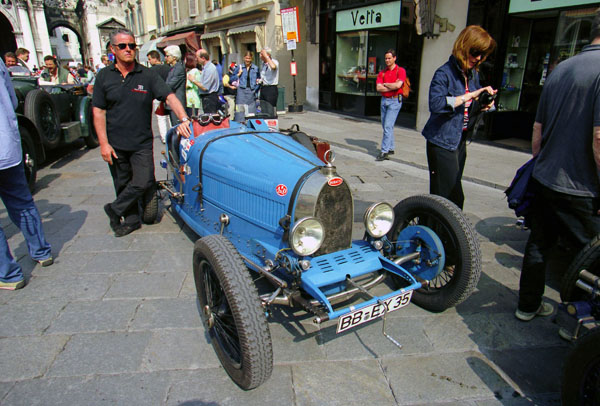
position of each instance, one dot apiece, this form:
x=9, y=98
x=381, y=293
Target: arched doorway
x=66, y=44
x=7, y=38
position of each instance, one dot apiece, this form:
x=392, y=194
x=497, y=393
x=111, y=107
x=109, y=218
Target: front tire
x=40, y=109
x=588, y=259
x=150, y=205
x=462, y=267
x=581, y=372
x=232, y=312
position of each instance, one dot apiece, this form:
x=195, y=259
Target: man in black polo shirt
x=122, y=102
x=566, y=141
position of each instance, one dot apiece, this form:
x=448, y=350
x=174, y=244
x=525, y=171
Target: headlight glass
x=379, y=219
x=307, y=236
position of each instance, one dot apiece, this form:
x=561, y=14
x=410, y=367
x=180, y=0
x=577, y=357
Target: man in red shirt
x=389, y=84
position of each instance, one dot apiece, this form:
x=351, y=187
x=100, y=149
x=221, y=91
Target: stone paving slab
x=341, y=383
x=93, y=317
x=213, y=387
x=167, y=313
x=145, y=285
x=101, y=353
x=94, y=390
x=29, y=356
x=27, y=319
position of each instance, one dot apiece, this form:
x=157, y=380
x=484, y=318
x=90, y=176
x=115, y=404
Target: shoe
x=125, y=229
x=382, y=156
x=45, y=262
x=565, y=334
x=391, y=152
x=545, y=309
x=115, y=219
x=12, y=285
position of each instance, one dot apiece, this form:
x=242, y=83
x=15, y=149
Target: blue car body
x=265, y=181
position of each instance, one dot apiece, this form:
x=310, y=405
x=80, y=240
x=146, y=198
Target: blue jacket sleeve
x=439, y=89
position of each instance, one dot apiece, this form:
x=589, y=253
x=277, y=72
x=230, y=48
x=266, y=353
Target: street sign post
x=291, y=35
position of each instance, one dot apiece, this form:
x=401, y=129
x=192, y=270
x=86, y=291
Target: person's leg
x=542, y=238
x=394, y=106
x=142, y=177
x=456, y=194
x=383, y=107
x=10, y=270
x=21, y=209
x=443, y=170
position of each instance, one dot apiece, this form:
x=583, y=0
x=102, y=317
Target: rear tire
x=462, y=267
x=150, y=205
x=29, y=157
x=92, y=139
x=581, y=372
x=40, y=109
x=232, y=312
x=588, y=259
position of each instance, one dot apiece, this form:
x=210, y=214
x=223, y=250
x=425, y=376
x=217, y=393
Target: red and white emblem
x=281, y=189
x=335, y=181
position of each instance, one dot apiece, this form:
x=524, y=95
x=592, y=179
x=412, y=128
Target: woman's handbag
x=521, y=192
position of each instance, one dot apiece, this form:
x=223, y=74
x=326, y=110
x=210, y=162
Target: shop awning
x=147, y=47
x=190, y=39
x=242, y=29
x=216, y=34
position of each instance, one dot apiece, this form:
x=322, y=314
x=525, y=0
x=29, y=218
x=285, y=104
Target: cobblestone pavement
x=115, y=321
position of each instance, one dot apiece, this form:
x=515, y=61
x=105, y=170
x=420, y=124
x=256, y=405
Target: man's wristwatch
x=463, y=99
x=183, y=120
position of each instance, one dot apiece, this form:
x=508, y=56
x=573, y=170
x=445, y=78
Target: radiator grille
x=335, y=210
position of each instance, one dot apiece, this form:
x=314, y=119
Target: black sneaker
x=115, y=219
x=391, y=152
x=382, y=156
x=124, y=229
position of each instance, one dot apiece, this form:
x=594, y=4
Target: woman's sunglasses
x=132, y=46
x=475, y=53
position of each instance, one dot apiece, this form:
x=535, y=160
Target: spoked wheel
x=581, y=372
x=40, y=109
x=150, y=205
x=232, y=312
x=588, y=259
x=462, y=267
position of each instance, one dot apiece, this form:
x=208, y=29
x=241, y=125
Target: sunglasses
x=475, y=53
x=131, y=45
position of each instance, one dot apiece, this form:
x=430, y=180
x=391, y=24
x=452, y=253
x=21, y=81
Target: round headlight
x=306, y=236
x=379, y=219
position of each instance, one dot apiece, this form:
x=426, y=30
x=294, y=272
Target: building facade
x=34, y=24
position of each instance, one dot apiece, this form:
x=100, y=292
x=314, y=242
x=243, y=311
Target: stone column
x=91, y=31
x=27, y=33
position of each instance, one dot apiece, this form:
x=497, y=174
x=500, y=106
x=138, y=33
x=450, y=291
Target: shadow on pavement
x=371, y=147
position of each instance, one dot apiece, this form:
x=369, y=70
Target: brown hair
x=473, y=38
x=190, y=60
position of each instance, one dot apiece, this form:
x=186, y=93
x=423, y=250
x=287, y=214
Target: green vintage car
x=49, y=116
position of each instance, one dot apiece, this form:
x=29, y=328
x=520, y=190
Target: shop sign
x=375, y=16
x=522, y=6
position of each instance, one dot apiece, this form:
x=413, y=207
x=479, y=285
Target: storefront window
x=572, y=34
x=351, y=64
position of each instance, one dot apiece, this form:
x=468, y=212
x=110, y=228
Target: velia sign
x=375, y=16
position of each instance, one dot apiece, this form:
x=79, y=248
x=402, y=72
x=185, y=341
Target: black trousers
x=446, y=170
x=132, y=173
x=210, y=103
x=555, y=215
x=268, y=100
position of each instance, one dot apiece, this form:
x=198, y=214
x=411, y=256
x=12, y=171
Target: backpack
x=406, y=88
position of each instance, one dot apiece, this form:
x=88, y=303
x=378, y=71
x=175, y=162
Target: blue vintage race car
x=264, y=200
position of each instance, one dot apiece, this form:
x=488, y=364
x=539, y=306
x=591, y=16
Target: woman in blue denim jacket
x=248, y=86
x=452, y=90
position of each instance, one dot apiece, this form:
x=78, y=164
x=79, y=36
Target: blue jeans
x=23, y=213
x=390, y=107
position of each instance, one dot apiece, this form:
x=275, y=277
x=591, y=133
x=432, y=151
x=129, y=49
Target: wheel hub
x=210, y=318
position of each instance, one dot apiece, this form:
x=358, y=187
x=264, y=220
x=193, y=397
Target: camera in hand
x=487, y=98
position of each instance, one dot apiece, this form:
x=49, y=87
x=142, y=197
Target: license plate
x=373, y=311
